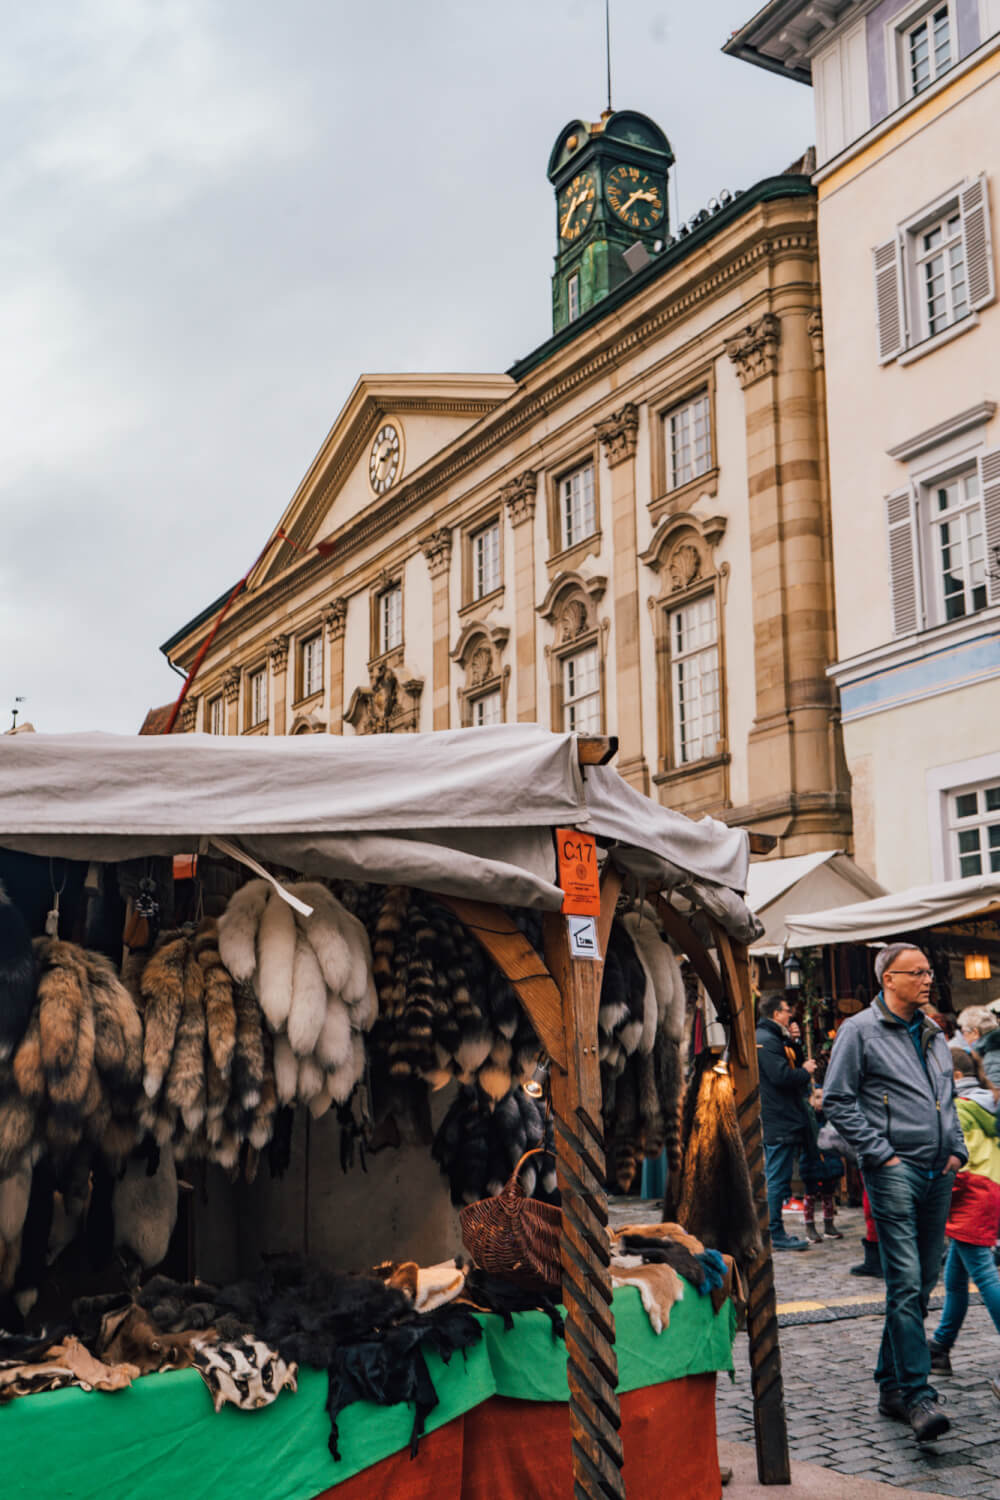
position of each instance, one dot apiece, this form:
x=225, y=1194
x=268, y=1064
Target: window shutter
x=989, y=479
x=978, y=248
x=890, y=313
x=904, y=582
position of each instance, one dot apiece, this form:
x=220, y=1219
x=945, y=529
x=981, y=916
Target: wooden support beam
x=596, y=749
x=592, y=1366
x=514, y=956
x=770, y=1429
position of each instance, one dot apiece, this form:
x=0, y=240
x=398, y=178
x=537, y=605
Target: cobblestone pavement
x=830, y=1397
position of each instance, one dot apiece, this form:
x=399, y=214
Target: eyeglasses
x=915, y=973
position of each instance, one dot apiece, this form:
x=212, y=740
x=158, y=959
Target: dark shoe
x=927, y=1420
x=890, y=1404
x=788, y=1242
x=940, y=1359
x=812, y=1233
x=830, y=1230
x=872, y=1263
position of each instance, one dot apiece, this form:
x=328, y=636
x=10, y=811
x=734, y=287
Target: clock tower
x=610, y=181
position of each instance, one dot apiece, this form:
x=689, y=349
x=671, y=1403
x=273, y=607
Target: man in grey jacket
x=888, y=1090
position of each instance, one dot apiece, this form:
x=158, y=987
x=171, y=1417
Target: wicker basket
x=513, y=1236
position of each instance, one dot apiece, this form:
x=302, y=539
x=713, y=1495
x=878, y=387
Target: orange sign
x=578, y=875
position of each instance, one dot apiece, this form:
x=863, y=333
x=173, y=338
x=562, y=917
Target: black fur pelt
x=18, y=976
x=496, y=1295
x=479, y=1143
x=665, y=1252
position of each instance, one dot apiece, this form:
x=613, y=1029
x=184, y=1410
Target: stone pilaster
x=278, y=656
x=188, y=716
x=437, y=550
x=519, y=496
x=335, y=625
x=796, y=783
x=231, y=689
x=619, y=437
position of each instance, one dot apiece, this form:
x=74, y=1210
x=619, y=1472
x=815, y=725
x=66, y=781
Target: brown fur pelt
x=162, y=989
x=220, y=1010
x=716, y=1202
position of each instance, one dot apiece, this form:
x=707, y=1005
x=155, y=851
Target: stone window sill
x=685, y=494
x=691, y=768
x=927, y=346
x=572, y=557
x=483, y=605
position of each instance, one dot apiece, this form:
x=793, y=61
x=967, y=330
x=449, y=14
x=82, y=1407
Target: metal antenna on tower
x=607, y=45
x=15, y=711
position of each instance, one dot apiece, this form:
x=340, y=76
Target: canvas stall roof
x=906, y=911
x=824, y=878
x=465, y=812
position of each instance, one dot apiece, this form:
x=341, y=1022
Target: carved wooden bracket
x=754, y=350
x=619, y=434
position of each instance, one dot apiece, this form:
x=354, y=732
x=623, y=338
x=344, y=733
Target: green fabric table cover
x=163, y=1437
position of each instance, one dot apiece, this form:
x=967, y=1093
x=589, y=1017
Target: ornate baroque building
x=628, y=532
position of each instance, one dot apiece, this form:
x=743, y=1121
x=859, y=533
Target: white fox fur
x=325, y=932
x=238, y=928
x=145, y=1208
x=333, y=1046
x=311, y=1080
x=355, y=991
x=276, y=961
x=340, y=1081
x=286, y=1070
x=364, y=1012
x=664, y=970
x=321, y=1102
x=309, y=1001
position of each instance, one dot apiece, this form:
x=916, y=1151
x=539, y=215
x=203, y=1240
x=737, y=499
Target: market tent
x=803, y=882
x=465, y=812
x=906, y=911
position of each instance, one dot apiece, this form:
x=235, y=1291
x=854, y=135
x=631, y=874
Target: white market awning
x=465, y=812
x=826, y=878
x=906, y=911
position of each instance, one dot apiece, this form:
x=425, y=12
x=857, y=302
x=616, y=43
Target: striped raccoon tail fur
x=18, y=978
x=388, y=927
x=162, y=990
x=220, y=1010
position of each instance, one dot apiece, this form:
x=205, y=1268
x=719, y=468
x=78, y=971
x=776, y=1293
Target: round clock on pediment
x=385, y=459
x=635, y=197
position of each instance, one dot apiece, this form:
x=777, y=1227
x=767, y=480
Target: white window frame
x=577, y=506
x=943, y=782
x=897, y=32
x=487, y=574
x=390, y=618
x=982, y=822
x=923, y=259
x=936, y=609
x=216, y=715
x=257, y=696
x=312, y=665
x=926, y=16
x=704, y=656
x=688, y=452
x=582, y=711
x=487, y=708
x=573, y=297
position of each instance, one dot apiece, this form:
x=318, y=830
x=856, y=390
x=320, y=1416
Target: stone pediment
x=426, y=413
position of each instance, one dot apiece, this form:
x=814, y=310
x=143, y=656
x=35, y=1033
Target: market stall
x=468, y=816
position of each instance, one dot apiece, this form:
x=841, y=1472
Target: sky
x=215, y=216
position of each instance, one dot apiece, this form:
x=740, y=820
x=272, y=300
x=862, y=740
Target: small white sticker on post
x=583, y=937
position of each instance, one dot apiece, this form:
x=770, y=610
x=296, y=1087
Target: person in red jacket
x=972, y=1227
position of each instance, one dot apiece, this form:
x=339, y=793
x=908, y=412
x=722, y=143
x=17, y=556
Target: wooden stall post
x=770, y=1429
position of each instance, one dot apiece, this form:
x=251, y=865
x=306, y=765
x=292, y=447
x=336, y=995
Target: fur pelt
x=275, y=961
x=65, y=1024
x=663, y=970
x=479, y=1143
x=144, y=1207
x=238, y=929
x=162, y=991
x=286, y=1070
x=308, y=1009
x=18, y=979
x=15, y=1191
x=716, y=1201
x=185, y=1085
x=220, y=1009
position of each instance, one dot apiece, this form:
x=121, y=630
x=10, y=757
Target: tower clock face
x=384, y=460
x=576, y=206
x=634, y=197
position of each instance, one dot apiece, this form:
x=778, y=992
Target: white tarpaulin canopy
x=920, y=906
x=464, y=812
x=775, y=887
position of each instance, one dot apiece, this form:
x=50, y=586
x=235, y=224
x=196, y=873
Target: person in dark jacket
x=980, y=1032
x=889, y=1092
x=783, y=1089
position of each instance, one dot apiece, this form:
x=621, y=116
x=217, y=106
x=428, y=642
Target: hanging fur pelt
x=17, y=976
x=480, y=1141
x=716, y=1202
x=144, y=1207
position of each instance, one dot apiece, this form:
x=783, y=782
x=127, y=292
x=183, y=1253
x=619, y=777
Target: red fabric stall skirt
x=520, y=1450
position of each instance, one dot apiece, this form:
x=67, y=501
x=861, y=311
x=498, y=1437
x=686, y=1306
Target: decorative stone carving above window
x=308, y=724
x=754, y=350
x=437, y=550
x=479, y=652
x=391, y=705
x=519, y=495
x=231, y=684
x=682, y=551
x=567, y=589
x=278, y=652
x=335, y=619
x=619, y=434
